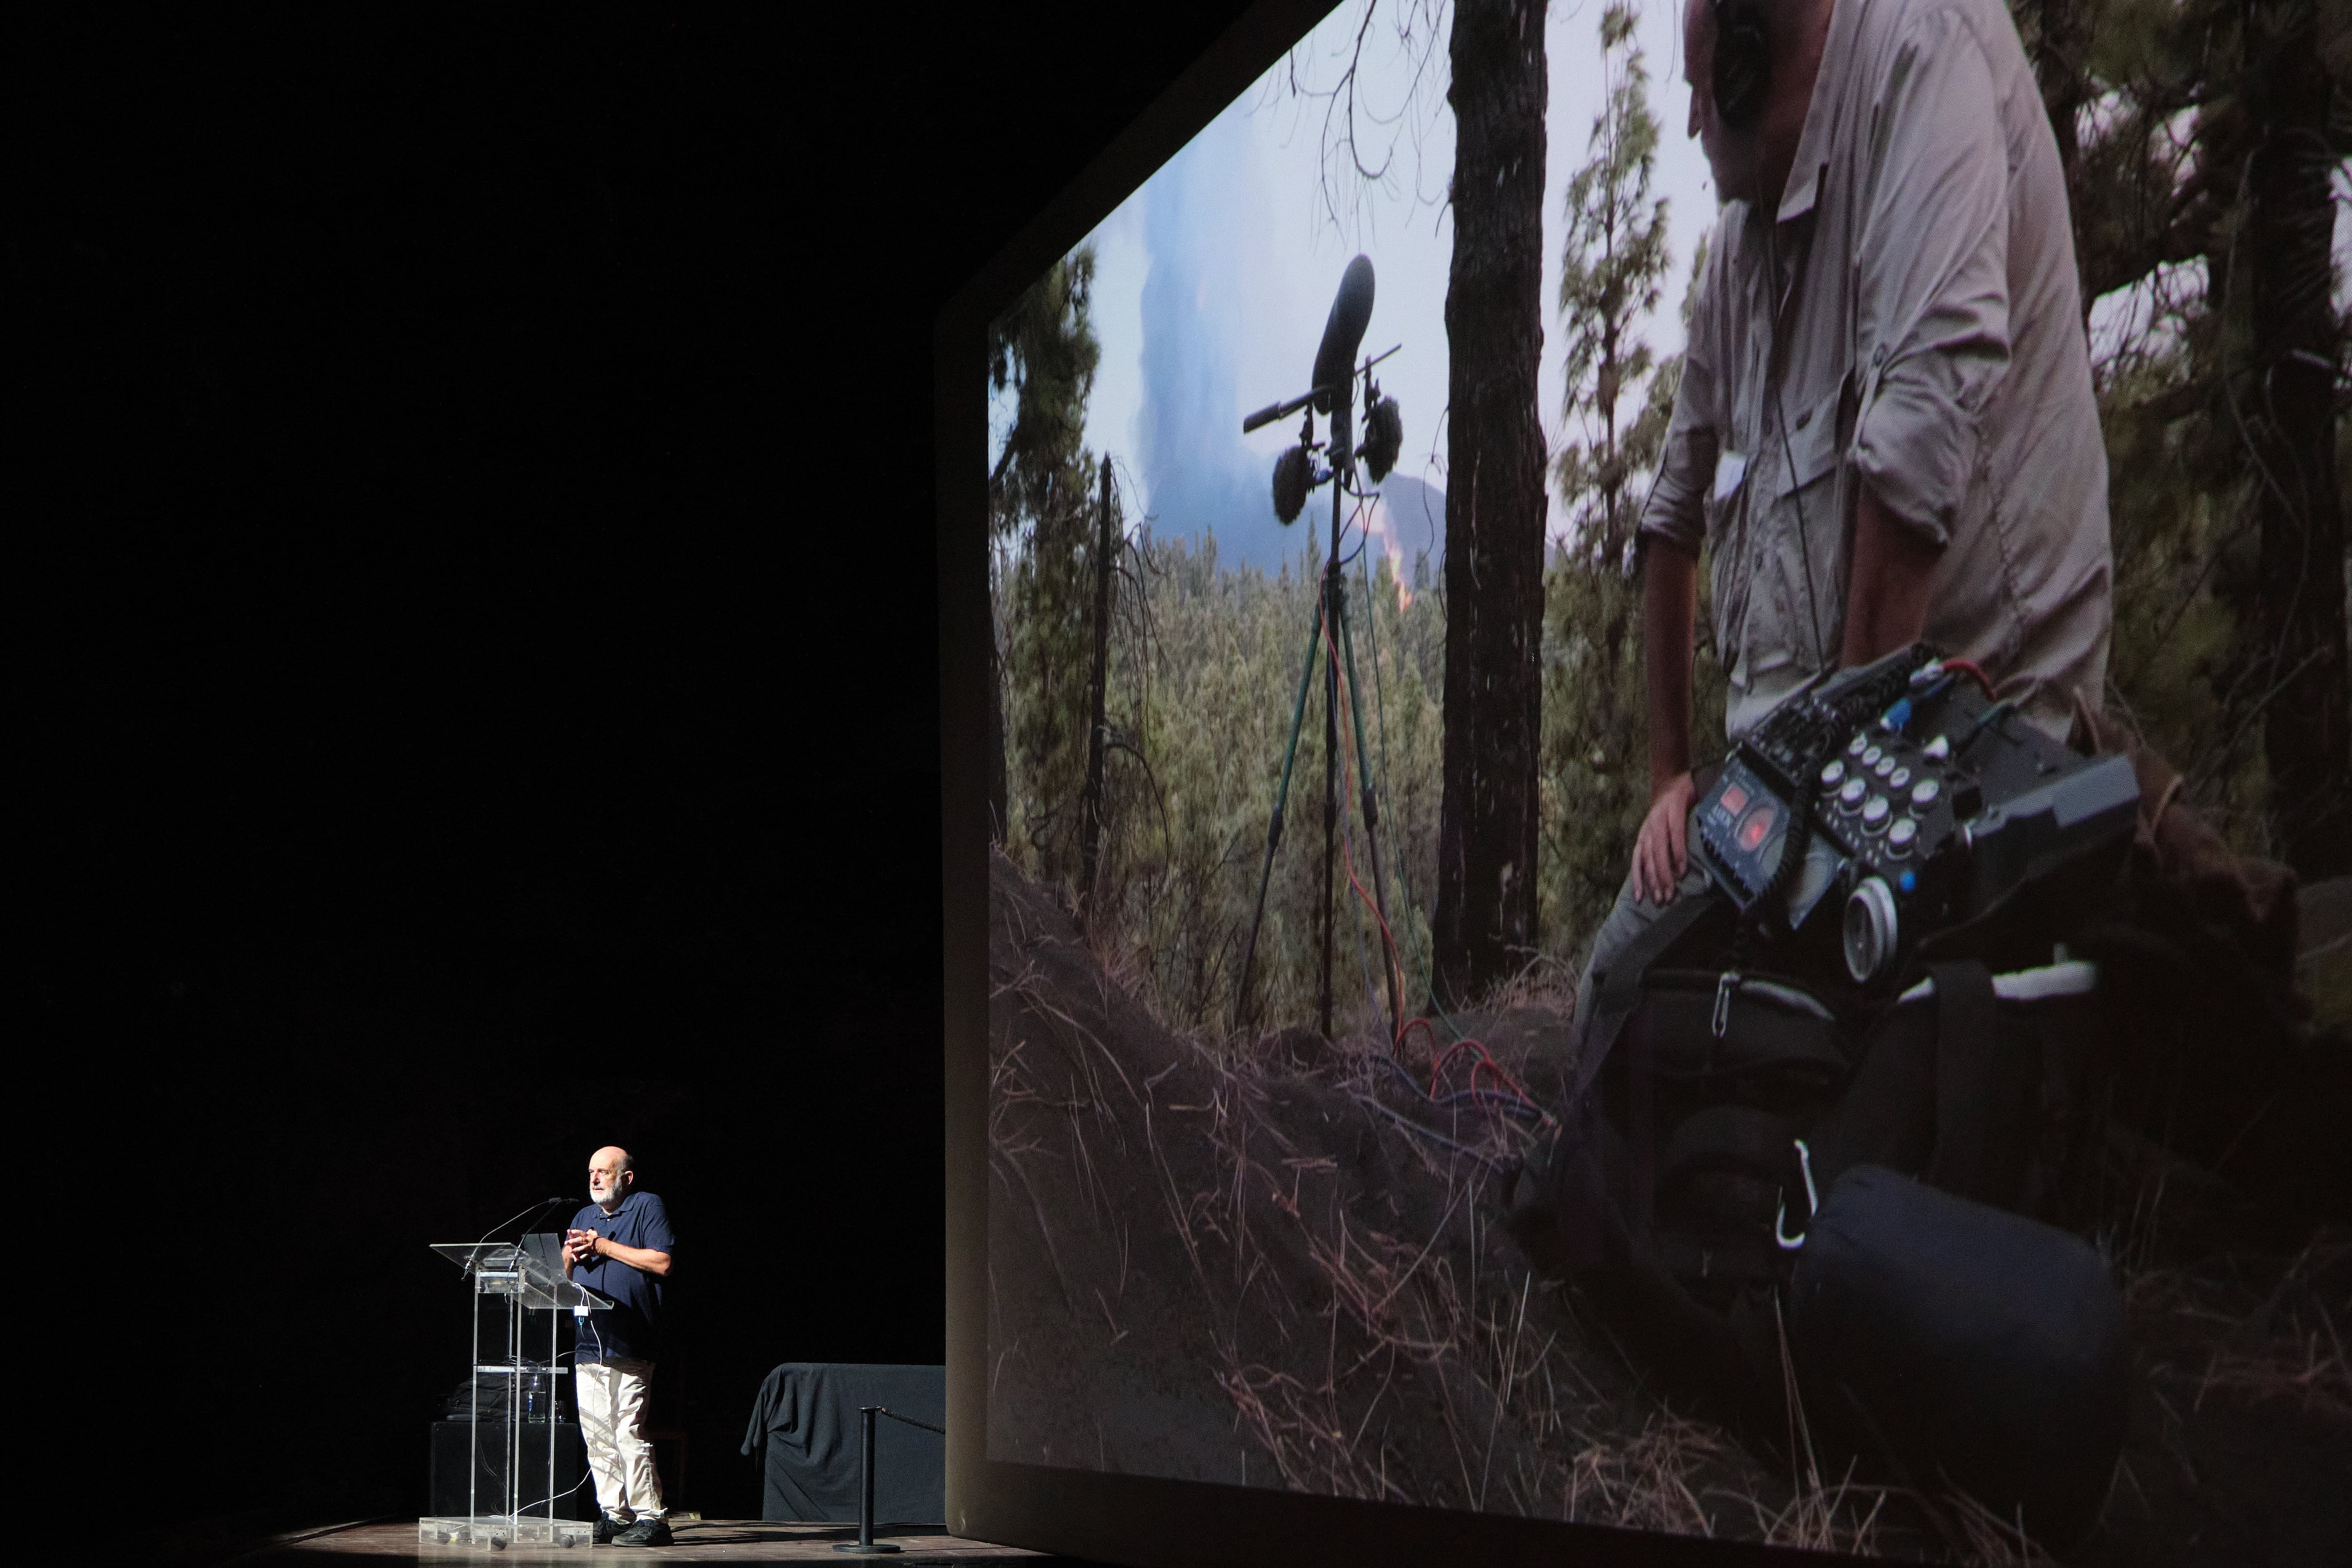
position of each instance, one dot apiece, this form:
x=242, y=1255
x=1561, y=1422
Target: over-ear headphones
x=1742, y=77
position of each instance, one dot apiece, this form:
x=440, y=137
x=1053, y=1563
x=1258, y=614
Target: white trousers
x=613, y=1420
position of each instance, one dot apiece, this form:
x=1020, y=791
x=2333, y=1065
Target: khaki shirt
x=1928, y=341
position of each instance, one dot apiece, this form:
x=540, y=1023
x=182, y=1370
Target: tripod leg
x=1274, y=826
x=1372, y=823
x=1330, y=775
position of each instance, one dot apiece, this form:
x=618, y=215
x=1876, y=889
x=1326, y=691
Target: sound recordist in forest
x=1886, y=427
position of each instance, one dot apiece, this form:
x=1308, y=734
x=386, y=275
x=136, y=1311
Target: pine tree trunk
x=1098, y=681
x=1484, y=924
x=2058, y=42
x=999, y=789
x=2289, y=409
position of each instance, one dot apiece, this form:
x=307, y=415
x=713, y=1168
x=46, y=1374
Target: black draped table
x=806, y=1419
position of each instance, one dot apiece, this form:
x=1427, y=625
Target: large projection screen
x=1229, y=1273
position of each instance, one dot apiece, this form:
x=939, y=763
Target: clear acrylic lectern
x=506, y=1269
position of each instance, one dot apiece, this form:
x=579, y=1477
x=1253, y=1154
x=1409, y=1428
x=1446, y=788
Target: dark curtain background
x=469, y=515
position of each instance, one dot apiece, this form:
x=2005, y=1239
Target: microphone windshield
x=1293, y=477
x=1351, y=312
x=1383, y=438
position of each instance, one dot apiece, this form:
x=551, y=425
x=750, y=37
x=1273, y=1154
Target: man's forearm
x=643, y=1257
x=1887, y=595
x=1669, y=609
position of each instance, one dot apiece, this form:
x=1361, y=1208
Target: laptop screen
x=546, y=1248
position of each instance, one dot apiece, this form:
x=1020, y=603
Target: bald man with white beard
x=620, y=1246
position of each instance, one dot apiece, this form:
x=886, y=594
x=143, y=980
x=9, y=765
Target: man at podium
x=620, y=1245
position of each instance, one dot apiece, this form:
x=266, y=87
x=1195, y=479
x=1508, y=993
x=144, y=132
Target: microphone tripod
x=1330, y=613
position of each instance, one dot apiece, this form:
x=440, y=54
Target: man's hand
x=581, y=1244
x=1661, y=854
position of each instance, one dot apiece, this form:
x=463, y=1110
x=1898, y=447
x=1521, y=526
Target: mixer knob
x=1884, y=766
x=1873, y=812
x=1900, y=834
x=1832, y=774
x=1899, y=777
x=1854, y=748
x=1850, y=796
x=1923, y=793
x=1870, y=757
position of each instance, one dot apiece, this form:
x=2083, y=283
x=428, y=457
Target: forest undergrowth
x=1308, y=1232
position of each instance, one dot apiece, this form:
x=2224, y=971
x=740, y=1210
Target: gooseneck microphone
x=1351, y=312
x=534, y=1212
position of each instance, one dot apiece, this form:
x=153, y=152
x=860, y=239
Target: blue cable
x=1436, y=1137
x=1509, y=1103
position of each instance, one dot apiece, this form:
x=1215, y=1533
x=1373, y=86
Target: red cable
x=1347, y=760
x=1491, y=1064
x=1970, y=667
x=1410, y=1025
x=1483, y=1058
x=1438, y=1066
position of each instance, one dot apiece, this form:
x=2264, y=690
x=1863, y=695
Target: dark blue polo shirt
x=631, y=1329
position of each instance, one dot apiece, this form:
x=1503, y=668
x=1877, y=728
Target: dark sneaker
x=645, y=1532
x=606, y=1527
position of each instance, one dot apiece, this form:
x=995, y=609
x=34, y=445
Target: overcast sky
x=1214, y=279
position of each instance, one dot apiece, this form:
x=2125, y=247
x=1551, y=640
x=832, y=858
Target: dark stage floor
x=699, y=1540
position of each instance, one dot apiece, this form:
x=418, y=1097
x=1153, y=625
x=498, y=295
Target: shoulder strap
x=1618, y=989
x=1968, y=1022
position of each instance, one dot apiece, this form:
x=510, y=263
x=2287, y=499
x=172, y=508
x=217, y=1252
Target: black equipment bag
x=1714, y=1103
x=1968, y=1344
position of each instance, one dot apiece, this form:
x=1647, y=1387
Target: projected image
x=1666, y=854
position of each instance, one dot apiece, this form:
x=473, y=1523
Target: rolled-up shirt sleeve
x=1932, y=295
x=1676, y=509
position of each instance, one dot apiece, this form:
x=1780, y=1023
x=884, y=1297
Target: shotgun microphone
x=1351, y=312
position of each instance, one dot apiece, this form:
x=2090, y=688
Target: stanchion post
x=864, y=1545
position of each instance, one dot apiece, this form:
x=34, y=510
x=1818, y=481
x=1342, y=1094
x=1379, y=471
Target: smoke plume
x=1198, y=233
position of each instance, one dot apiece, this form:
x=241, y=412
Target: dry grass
x=1991, y=1540
x=2214, y=1331
x=1546, y=982
x=1375, y=1339
x=1536, y=1418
